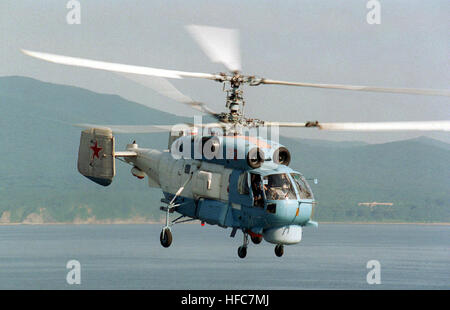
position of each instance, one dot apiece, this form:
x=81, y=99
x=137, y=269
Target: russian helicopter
x=217, y=172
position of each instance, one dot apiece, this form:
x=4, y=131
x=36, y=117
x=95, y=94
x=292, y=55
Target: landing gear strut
x=242, y=250
x=279, y=250
x=166, y=235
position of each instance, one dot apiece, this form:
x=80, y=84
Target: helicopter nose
x=304, y=211
x=293, y=211
x=286, y=210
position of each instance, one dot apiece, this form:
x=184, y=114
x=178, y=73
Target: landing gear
x=166, y=237
x=242, y=250
x=256, y=239
x=279, y=250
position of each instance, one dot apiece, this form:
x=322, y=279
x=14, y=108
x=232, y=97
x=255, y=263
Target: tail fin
x=96, y=155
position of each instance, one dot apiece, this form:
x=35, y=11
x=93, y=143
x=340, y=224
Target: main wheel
x=279, y=250
x=256, y=239
x=166, y=237
x=242, y=251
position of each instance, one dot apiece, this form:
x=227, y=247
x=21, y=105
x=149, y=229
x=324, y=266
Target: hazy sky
x=307, y=41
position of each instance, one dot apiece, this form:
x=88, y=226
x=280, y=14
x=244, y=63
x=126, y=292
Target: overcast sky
x=307, y=41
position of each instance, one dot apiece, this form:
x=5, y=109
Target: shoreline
x=390, y=223
x=125, y=222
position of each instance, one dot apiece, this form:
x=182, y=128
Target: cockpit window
x=302, y=186
x=278, y=187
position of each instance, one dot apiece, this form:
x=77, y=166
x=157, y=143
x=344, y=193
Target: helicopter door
x=239, y=196
x=239, y=190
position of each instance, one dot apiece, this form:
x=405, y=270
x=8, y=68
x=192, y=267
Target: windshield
x=302, y=186
x=278, y=187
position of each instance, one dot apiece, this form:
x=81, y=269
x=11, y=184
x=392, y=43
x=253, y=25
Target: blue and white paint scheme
x=230, y=192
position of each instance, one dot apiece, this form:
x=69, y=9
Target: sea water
x=333, y=256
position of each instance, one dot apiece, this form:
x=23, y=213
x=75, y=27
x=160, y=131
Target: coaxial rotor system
x=222, y=45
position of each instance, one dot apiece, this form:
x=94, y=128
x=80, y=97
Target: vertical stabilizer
x=96, y=155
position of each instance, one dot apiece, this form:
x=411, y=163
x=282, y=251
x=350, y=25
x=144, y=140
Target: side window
x=243, y=184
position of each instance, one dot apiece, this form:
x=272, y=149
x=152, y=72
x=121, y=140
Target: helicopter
x=223, y=173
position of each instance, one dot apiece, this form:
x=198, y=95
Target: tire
x=256, y=239
x=279, y=250
x=242, y=251
x=166, y=240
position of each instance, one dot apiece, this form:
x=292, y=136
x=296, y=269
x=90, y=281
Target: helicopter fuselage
x=230, y=195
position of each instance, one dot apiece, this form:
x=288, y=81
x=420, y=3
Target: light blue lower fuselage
x=239, y=210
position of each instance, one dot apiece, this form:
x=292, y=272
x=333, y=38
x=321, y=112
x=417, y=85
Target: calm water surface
x=334, y=256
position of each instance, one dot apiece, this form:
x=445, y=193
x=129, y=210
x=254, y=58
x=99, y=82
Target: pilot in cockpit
x=278, y=187
x=258, y=199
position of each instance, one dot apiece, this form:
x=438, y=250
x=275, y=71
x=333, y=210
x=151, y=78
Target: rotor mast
x=235, y=100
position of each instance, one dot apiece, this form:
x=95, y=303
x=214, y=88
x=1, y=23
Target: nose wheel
x=279, y=250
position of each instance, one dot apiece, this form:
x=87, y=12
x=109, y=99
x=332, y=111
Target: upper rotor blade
x=371, y=126
x=434, y=92
x=115, y=67
x=219, y=44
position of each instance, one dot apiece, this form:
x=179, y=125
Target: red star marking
x=96, y=150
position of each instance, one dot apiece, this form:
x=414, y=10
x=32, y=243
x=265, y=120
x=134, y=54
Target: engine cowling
x=255, y=157
x=232, y=152
x=282, y=156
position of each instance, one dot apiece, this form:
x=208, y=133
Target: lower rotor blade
x=129, y=128
x=388, y=126
x=193, y=128
x=370, y=126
